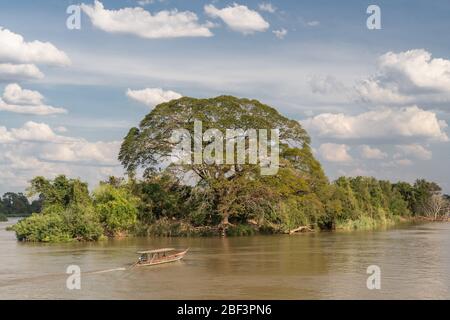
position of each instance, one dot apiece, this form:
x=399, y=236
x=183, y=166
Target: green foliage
x=42, y=228
x=67, y=213
x=3, y=217
x=116, y=207
x=229, y=197
x=240, y=230
x=299, y=194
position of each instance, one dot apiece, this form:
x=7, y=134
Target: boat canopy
x=156, y=251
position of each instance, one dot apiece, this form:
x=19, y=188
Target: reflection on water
x=414, y=262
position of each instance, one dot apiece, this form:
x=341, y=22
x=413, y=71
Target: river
x=414, y=262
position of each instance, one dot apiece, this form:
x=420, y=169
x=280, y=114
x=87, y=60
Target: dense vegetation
x=70, y=212
x=209, y=199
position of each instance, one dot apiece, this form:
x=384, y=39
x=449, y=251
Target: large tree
x=234, y=187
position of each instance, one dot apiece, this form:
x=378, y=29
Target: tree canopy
x=236, y=187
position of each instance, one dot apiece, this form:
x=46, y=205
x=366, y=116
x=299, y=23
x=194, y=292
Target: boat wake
x=106, y=271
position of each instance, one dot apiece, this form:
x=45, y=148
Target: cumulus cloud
x=35, y=149
x=142, y=23
x=267, y=7
x=48, y=146
x=335, y=152
x=9, y=72
x=280, y=34
x=13, y=93
x=368, y=152
x=372, y=90
x=413, y=150
x=18, y=100
x=407, y=77
x=152, y=96
x=13, y=48
x=418, y=68
x=384, y=123
x=82, y=151
x=239, y=18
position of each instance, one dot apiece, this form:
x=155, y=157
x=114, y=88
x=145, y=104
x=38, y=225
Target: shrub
x=43, y=228
x=116, y=209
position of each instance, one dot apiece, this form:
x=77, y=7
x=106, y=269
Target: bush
x=116, y=208
x=240, y=230
x=43, y=228
x=67, y=213
x=3, y=217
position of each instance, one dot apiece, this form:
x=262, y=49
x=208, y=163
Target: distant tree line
x=17, y=204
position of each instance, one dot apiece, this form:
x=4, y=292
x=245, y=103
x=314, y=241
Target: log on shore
x=300, y=229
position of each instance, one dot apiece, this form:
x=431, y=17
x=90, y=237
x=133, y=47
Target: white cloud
x=280, y=34
x=41, y=110
x=152, y=96
x=385, y=123
x=417, y=68
x=82, y=151
x=13, y=48
x=34, y=131
x=9, y=71
x=414, y=150
x=21, y=160
x=267, y=7
x=18, y=100
x=142, y=23
x=5, y=135
x=407, y=77
x=335, y=152
x=239, y=18
x=372, y=90
x=14, y=94
x=368, y=152
x=40, y=140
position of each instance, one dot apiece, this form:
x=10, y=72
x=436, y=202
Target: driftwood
x=300, y=229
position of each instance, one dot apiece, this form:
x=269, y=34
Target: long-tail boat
x=159, y=256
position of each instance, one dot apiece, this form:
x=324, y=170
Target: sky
x=375, y=102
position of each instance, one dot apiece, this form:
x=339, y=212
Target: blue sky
x=376, y=102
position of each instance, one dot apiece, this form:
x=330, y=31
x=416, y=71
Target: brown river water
x=414, y=263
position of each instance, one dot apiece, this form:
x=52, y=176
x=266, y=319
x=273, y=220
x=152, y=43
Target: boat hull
x=172, y=258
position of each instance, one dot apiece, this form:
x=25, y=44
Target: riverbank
x=173, y=228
